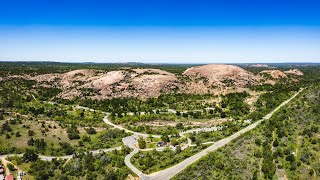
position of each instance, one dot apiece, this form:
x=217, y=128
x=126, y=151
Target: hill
x=151, y=82
x=220, y=73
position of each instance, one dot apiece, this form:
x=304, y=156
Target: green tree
x=40, y=144
x=11, y=167
x=91, y=130
x=142, y=143
x=179, y=126
x=30, y=156
x=18, y=134
x=30, y=142
x=174, y=142
x=30, y=133
x=73, y=132
x=165, y=138
x=178, y=149
x=6, y=127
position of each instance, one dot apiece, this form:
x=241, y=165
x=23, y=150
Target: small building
x=162, y=144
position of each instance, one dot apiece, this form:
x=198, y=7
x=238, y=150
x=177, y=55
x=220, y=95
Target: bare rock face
x=121, y=83
x=296, y=72
x=220, y=74
x=151, y=71
x=278, y=74
x=70, y=79
x=107, y=79
x=144, y=83
x=154, y=84
x=275, y=74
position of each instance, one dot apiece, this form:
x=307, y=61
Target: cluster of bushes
x=179, y=101
x=235, y=105
x=84, y=164
x=65, y=115
x=232, y=105
x=227, y=128
x=102, y=140
x=288, y=142
x=13, y=92
x=152, y=161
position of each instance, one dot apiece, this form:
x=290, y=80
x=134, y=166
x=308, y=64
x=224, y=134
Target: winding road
x=49, y=158
x=172, y=171
x=168, y=173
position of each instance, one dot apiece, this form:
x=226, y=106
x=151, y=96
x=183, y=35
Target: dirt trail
x=6, y=162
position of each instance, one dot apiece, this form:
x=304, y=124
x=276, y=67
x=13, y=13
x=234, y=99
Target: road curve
x=172, y=171
x=49, y=158
x=130, y=165
x=107, y=121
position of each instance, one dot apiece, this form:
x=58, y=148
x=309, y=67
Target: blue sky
x=174, y=31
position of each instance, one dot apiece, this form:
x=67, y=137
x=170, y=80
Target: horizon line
x=154, y=63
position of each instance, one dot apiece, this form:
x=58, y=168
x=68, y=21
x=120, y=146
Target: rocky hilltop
x=143, y=83
x=220, y=73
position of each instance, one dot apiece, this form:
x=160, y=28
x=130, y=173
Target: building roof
x=9, y=177
x=162, y=143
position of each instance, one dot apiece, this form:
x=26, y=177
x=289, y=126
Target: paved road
x=49, y=158
x=172, y=171
x=129, y=141
x=107, y=121
x=130, y=165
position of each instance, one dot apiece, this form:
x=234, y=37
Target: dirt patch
x=203, y=123
x=5, y=163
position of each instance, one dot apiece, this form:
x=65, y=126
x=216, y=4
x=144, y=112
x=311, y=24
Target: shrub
x=30, y=133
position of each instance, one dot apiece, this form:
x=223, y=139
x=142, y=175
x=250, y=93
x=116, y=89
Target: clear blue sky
x=183, y=31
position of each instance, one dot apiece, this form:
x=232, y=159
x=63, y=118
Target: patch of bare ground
x=227, y=90
x=241, y=153
x=5, y=163
x=202, y=123
x=281, y=174
x=253, y=98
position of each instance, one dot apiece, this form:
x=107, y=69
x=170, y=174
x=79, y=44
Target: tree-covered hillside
x=286, y=146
